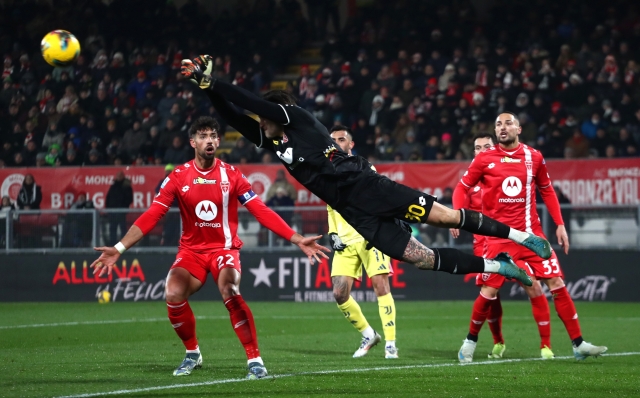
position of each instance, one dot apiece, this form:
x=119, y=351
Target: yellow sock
x=387, y=309
x=351, y=310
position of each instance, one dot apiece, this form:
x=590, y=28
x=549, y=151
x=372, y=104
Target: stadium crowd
x=415, y=79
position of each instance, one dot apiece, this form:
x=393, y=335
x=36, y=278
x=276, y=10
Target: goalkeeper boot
x=193, y=360
x=498, y=350
x=546, y=353
x=510, y=270
x=256, y=371
x=465, y=355
x=366, y=344
x=540, y=246
x=585, y=350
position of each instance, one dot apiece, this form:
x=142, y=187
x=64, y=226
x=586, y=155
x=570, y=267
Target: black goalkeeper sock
x=478, y=223
x=576, y=342
x=472, y=337
x=456, y=262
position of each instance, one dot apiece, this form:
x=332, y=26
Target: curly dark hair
x=202, y=123
x=280, y=97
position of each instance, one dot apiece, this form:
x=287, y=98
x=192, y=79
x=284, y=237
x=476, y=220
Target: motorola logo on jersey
x=512, y=186
x=206, y=210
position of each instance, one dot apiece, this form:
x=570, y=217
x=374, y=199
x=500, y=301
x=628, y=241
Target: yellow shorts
x=350, y=261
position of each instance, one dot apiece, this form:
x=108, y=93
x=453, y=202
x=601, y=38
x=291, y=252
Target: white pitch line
x=205, y=317
x=326, y=372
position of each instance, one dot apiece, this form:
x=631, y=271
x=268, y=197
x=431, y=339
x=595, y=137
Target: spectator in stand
x=281, y=182
x=578, y=145
x=626, y=145
x=77, y=230
x=30, y=195
x=133, y=139
x=243, y=152
x=119, y=197
x=178, y=152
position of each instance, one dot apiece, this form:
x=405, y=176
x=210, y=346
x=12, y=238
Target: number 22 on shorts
x=221, y=261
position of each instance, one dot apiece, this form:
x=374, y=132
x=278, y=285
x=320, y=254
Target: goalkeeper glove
x=336, y=242
x=198, y=70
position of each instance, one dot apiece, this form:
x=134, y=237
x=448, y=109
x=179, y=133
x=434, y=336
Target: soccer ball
x=60, y=48
x=104, y=297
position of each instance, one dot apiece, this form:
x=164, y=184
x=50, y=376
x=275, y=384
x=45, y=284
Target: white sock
x=390, y=343
x=517, y=236
x=368, y=332
x=256, y=359
x=196, y=351
x=491, y=265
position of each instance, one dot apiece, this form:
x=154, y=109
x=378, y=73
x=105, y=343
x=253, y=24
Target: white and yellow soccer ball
x=60, y=48
x=104, y=297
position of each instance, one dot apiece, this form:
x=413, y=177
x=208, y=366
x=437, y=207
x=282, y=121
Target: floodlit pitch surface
x=130, y=349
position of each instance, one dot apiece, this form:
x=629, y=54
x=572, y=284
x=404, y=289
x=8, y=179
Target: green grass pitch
x=130, y=349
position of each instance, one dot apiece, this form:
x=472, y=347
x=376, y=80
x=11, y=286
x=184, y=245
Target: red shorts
x=199, y=264
x=525, y=259
x=478, y=245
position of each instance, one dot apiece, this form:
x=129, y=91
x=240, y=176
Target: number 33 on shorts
x=551, y=266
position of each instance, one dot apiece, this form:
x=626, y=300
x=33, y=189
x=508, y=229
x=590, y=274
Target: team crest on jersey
x=225, y=186
x=200, y=180
x=529, y=165
x=285, y=139
x=507, y=159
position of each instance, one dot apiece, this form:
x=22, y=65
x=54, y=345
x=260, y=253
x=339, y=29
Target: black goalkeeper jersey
x=306, y=149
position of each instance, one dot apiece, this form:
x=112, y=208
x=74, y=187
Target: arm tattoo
x=419, y=255
x=341, y=288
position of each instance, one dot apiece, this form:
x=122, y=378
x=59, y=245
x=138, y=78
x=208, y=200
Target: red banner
x=597, y=182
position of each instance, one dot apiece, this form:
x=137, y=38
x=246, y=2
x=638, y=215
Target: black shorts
x=374, y=205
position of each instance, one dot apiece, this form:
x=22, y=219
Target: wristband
x=120, y=247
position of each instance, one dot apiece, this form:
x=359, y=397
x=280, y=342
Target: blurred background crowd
x=415, y=80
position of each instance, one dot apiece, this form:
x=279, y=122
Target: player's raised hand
x=563, y=238
x=106, y=261
x=198, y=70
x=310, y=247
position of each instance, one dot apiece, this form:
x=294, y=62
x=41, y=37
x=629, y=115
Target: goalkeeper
x=351, y=254
x=369, y=202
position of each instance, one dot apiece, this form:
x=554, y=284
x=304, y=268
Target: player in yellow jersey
x=350, y=255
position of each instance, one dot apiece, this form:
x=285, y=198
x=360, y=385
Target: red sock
x=184, y=323
x=479, y=314
x=540, y=309
x=495, y=320
x=243, y=325
x=567, y=311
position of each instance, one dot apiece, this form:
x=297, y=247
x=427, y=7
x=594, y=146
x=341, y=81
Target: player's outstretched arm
x=273, y=222
x=310, y=247
x=110, y=254
x=245, y=124
x=198, y=70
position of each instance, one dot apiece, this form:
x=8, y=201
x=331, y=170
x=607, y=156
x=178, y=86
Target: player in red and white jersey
x=509, y=173
x=487, y=305
x=209, y=192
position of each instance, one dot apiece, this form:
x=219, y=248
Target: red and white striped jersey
x=208, y=201
x=509, y=180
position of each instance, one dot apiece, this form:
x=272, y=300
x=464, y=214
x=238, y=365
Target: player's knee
x=380, y=284
x=555, y=283
x=228, y=290
x=175, y=295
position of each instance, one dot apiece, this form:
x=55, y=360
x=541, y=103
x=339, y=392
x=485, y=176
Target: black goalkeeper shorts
x=374, y=205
